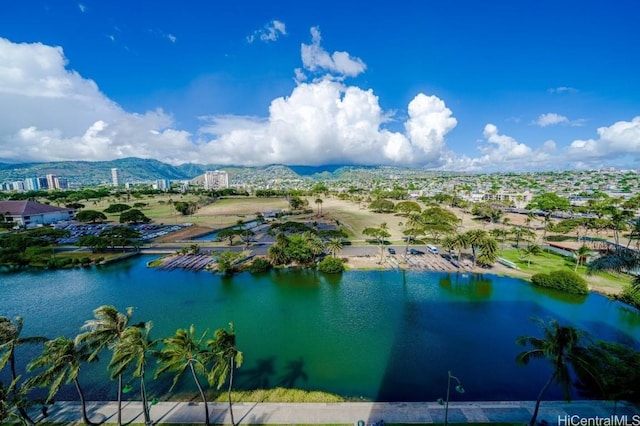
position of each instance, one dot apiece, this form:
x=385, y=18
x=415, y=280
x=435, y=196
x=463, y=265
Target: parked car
x=415, y=251
x=392, y=250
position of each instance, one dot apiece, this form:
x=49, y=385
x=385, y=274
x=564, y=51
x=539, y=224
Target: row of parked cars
x=147, y=231
x=429, y=248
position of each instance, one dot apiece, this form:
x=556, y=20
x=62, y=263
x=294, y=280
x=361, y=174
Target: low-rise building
x=30, y=214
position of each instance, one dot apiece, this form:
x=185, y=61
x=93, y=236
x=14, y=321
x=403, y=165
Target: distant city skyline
x=460, y=85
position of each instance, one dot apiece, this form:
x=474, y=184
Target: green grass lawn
x=547, y=261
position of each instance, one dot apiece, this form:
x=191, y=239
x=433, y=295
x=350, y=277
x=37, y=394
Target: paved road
x=554, y=412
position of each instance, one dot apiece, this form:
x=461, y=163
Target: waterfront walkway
x=553, y=412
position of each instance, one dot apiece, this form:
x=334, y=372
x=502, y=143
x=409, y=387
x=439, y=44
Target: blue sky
x=455, y=85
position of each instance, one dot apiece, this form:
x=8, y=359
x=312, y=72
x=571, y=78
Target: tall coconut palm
x=9, y=340
x=334, y=245
x=560, y=345
x=413, y=227
x=9, y=409
x=60, y=360
x=227, y=358
x=580, y=255
x=105, y=331
x=182, y=352
x=474, y=239
x=134, y=347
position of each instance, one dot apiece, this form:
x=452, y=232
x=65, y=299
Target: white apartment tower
x=52, y=182
x=216, y=179
x=115, y=176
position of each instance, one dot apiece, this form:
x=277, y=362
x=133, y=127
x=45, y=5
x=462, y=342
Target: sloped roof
x=27, y=208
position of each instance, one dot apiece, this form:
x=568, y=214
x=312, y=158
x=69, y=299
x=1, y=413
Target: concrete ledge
x=553, y=412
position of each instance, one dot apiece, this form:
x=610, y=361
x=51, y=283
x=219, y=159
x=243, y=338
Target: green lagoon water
x=377, y=335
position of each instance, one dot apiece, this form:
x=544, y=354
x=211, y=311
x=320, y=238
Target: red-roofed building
x=31, y=214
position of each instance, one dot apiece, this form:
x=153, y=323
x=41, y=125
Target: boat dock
x=428, y=262
x=189, y=261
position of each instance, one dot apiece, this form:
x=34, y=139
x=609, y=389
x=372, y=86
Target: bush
x=259, y=265
x=563, y=280
x=630, y=297
x=331, y=265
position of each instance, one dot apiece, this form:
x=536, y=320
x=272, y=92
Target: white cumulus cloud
x=620, y=139
x=316, y=59
x=326, y=122
x=553, y=118
x=52, y=113
x=550, y=118
x=270, y=32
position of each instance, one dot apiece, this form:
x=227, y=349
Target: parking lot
x=147, y=231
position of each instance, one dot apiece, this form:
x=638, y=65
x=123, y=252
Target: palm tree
x=184, y=351
x=9, y=340
x=319, y=204
x=530, y=250
x=61, y=359
x=105, y=331
x=488, y=250
x=9, y=409
x=474, y=239
x=134, y=347
x=561, y=346
x=414, y=226
x=379, y=233
x=227, y=358
x=315, y=244
x=620, y=260
x=334, y=245
x=581, y=254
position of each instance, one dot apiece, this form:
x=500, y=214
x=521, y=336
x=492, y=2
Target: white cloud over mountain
x=52, y=113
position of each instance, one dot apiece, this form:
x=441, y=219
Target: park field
x=352, y=216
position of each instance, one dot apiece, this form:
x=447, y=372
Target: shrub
x=563, y=280
x=630, y=297
x=331, y=265
x=259, y=265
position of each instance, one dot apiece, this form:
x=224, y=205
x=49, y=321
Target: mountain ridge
x=132, y=169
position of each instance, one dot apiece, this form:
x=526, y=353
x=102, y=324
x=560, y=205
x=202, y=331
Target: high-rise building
x=115, y=176
x=216, y=179
x=17, y=186
x=31, y=184
x=52, y=181
x=163, y=184
x=43, y=183
x=63, y=183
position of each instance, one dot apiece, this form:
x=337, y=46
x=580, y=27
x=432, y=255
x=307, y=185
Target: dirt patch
x=185, y=234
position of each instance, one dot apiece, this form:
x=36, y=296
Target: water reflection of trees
x=264, y=371
x=257, y=377
x=294, y=370
x=292, y=277
x=475, y=286
x=574, y=299
x=629, y=316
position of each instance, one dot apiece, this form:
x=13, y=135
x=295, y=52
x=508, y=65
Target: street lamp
x=458, y=389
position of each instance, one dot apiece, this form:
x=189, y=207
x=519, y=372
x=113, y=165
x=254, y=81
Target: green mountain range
x=131, y=170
